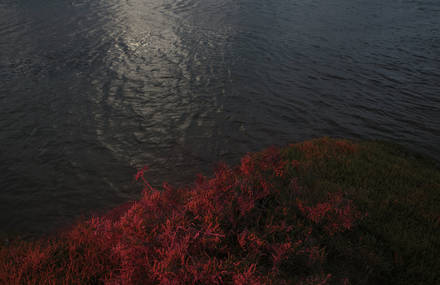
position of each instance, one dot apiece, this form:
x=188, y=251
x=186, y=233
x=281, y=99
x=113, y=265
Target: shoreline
x=323, y=211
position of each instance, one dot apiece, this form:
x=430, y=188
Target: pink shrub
x=243, y=226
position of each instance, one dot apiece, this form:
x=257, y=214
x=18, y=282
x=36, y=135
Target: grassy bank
x=324, y=211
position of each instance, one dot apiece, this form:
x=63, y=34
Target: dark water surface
x=92, y=89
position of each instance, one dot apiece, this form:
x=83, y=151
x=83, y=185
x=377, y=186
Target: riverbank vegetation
x=325, y=211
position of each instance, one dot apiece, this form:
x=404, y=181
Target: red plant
x=243, y=226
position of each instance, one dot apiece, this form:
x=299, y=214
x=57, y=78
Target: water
x=91, y=90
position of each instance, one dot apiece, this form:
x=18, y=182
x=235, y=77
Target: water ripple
x=91, y=90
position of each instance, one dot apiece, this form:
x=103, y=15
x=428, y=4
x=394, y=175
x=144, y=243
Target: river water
x=90, y=90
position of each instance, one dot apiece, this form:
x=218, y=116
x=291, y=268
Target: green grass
x=398, y=189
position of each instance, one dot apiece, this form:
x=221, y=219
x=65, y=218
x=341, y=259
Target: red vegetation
x=253, y=224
